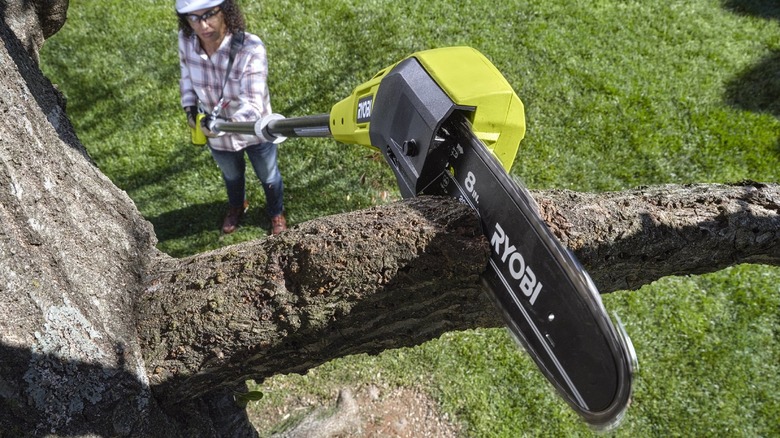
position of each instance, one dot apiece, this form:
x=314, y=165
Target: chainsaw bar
x=549, y=302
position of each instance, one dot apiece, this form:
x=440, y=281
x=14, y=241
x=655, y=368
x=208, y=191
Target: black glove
x=192, y=114
x=207, y=125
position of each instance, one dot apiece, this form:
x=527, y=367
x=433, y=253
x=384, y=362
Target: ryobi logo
x=515, y=262
x=364, y=109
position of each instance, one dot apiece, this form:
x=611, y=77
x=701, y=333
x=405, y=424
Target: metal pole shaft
x=236, y=127
x=306, y=126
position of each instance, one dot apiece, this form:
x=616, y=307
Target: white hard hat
x=187, y=6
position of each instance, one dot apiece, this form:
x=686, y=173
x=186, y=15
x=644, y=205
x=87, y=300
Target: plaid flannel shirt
x=246, y=90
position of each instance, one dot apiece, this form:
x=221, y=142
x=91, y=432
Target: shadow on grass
x=197, y=228
x=188, y=221
x=757, y=88
x=756, y=8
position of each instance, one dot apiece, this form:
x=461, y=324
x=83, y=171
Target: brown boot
x=233, y=217
x=278, y=224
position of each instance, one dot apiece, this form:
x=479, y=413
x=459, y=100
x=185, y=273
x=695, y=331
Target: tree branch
x=401, y=274
x=631, y=238
x=363, y=282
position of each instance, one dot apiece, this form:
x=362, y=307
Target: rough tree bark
x=103, y=335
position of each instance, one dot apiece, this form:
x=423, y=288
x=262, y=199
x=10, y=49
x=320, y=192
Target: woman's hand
x=192, y=115
x=207, y=125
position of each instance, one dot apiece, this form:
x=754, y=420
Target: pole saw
x=448, y=123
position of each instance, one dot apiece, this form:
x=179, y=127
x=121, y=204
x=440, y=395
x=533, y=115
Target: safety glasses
x=206, y=17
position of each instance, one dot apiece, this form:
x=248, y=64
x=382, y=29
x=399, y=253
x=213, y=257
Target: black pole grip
x=306, y=126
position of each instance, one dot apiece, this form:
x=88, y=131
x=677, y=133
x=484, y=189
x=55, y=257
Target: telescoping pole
x=277, y=127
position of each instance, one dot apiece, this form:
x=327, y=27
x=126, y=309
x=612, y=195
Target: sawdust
x=367, y=412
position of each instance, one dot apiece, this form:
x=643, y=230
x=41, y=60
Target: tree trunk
x=103, y=335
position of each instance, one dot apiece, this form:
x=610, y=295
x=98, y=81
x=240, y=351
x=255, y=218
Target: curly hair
x=234, y=19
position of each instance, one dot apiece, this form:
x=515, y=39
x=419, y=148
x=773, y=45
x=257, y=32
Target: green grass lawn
x=617, y=94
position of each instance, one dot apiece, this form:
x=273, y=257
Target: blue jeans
x=262, y=156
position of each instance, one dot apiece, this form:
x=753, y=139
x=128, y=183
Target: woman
x=207, y=31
